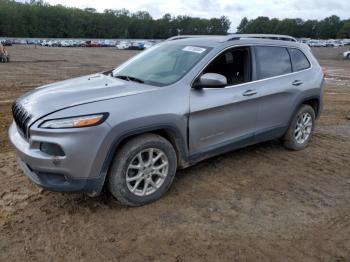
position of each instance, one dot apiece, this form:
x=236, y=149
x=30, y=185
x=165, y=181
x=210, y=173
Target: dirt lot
x=260, y=203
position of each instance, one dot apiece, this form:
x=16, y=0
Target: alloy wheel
x=147, y=171
x=303, y=128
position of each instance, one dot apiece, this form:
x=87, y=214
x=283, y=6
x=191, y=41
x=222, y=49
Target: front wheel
x=301, y=128
x=142, y=170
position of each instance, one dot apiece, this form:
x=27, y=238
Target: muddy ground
x=259, y=203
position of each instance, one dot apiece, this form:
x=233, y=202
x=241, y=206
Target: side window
x=234, y=64
x=299, y=60
x=272, y=61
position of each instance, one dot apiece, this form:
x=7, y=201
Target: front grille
x=22, y=118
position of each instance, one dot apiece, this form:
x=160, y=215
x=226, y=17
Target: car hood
x=53, y=97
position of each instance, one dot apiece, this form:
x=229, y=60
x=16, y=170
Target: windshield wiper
x=130, y=78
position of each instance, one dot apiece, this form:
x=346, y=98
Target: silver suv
x=180, y=102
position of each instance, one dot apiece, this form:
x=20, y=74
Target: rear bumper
x=320, y=106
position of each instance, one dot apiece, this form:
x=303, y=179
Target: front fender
x=176, y=127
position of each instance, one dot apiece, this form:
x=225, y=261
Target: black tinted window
x=300, y=61
x=234, y=64
x=272, y=61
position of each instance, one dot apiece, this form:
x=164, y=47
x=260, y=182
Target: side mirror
x=211, y=80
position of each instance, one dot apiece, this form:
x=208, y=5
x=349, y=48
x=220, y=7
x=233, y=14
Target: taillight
x=324, y=71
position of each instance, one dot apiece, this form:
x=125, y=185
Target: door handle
x=249, y=93
x=297, y=83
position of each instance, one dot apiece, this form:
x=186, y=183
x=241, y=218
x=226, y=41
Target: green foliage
x=328, y=28
x=39, y=19
x=344, y=31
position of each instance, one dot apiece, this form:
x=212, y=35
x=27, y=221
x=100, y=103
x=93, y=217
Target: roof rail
x=261, y=36
x=178, y=37
x=233, y=37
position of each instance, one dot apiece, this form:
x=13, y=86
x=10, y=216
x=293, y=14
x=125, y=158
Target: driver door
x=224, y=116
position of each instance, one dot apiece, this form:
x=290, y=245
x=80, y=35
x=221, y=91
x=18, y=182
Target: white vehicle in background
x=314, y=43
x=148, y=44
x=20, y=41
x=108, y=43
x=346, y=54
x=55, y=43
x=331, y=43
x=74, y=43
x=323, y=43
x=112, y=43
x=304, y=40
x=339, y=42
x=335, y=43
x=49, y=43
x=65, y=43
x=123, y=45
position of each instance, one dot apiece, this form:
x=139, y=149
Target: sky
x=233, y=9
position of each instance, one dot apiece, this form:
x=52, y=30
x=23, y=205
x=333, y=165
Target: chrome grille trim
x=21, y=118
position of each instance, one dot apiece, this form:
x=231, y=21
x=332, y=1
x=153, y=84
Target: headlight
x=75, y=122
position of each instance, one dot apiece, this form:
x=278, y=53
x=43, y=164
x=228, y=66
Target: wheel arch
x=170, y=133
x=314, y=102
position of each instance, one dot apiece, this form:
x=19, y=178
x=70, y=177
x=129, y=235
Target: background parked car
x=123, y=45
x=346, y=54
x=7, y=43
x=137, y=46
x=92, y=43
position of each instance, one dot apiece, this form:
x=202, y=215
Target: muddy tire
x=300, y=129
x=142, y=170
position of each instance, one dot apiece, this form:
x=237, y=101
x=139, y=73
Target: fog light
x=51, y=149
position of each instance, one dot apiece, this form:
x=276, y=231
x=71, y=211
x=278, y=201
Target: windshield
x=161, y=65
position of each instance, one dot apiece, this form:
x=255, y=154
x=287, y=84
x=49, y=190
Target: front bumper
x=77, y=171
x=62, y=183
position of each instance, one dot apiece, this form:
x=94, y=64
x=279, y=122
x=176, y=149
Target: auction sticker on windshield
x=194, y=49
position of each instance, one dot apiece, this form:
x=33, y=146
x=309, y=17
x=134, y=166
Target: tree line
x=40, y=19
x=328, y=28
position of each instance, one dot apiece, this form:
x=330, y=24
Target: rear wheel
x=301, y=128
x=143, y=170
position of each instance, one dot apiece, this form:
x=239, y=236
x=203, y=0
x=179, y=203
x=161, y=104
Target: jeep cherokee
x=177, y=103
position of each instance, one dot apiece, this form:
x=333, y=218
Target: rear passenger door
x=277, y=88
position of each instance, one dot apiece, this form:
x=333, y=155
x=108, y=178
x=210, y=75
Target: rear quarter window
x=272, y=61
x=299, y=60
